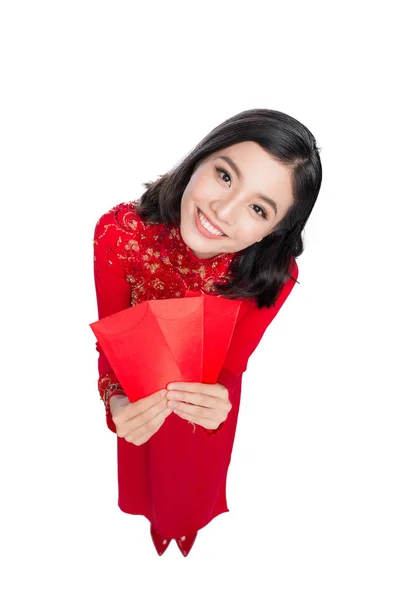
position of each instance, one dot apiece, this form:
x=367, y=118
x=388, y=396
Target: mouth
x=209, y=226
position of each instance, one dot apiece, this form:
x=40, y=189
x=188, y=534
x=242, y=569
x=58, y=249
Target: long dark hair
x=260, y=270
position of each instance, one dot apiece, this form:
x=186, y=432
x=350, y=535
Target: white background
x=98, y=98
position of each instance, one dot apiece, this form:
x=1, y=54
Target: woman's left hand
x=206, y=404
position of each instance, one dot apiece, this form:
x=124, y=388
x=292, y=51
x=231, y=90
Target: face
x=233, y=194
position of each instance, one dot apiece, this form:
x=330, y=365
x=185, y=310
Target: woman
x=227, y=221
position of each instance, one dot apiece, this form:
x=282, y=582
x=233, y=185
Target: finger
x=208, y=389
x=191, y=410
x=150, y=428
x=146, y=403
x=204, y=422
x=147, y=429
x=148, y=415
x=138, y=420
x=151, y=404
x=195, y=399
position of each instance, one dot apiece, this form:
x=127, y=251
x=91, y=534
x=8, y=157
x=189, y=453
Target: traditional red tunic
x=177, y=479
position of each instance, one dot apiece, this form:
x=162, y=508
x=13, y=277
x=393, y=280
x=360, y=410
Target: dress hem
x=143, y=514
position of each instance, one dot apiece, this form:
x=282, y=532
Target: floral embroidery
x=108, y=386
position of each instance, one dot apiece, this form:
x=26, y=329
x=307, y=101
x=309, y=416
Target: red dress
x=177, y=479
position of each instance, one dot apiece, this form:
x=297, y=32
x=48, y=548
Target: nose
x=225, y=210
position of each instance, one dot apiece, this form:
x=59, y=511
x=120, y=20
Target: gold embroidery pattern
x=157, y=262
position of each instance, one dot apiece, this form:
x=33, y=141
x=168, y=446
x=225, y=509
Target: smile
x=205, y=226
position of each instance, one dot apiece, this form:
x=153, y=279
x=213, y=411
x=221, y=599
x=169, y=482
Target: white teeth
x=208, y=225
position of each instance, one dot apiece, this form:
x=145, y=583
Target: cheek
x=202, y=187
x=249, y=231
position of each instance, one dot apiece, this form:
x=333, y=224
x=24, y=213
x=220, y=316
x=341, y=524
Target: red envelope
x=158, y=341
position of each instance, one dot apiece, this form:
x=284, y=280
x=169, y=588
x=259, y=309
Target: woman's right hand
x=138, y=421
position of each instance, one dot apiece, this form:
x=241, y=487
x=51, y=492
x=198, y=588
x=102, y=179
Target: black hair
x=260, y=270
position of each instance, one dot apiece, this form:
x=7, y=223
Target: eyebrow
x=238, y=172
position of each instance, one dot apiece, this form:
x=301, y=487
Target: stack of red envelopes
x=160, y=341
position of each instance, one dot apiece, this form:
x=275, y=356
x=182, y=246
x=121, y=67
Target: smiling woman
x=228, y=202
x=226, y=221
x=256, y=177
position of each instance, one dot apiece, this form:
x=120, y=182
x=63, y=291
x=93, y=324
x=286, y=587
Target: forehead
x=250, y=155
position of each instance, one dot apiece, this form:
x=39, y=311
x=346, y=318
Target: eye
x=262, y=213
x=224, y=172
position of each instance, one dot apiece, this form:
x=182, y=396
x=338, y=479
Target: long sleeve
x=251, y=327
x=113, y=294
x=247, y=335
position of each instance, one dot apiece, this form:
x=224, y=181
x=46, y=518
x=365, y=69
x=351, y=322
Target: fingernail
x=163, y=393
